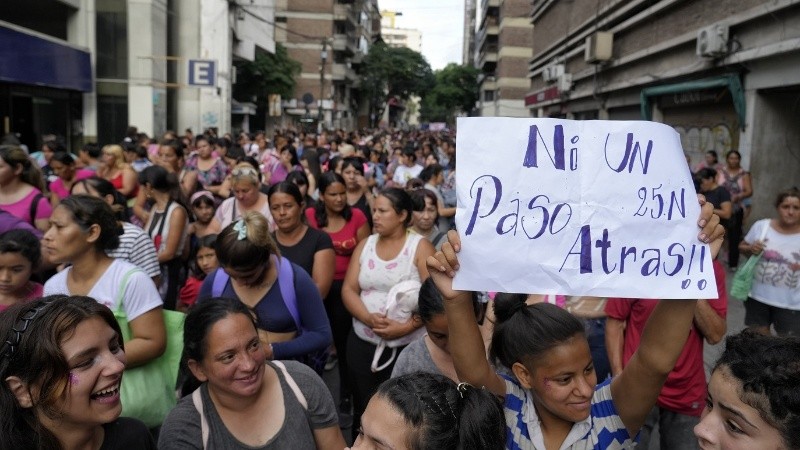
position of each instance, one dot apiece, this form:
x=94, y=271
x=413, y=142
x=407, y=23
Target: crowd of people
x=294, y=253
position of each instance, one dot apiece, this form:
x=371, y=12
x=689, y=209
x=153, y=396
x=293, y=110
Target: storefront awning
x=27, y=58
x=731, y=81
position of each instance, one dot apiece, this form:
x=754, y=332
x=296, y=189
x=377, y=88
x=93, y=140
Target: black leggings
x=365, y=382
x=341, y=322
x=733, y=232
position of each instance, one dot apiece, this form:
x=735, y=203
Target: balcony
x=342, y=73
x=489, y=8
x=487, y=58
x=490, y=28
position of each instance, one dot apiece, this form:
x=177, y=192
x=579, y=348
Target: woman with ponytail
x=424, y=411
x=551, y=395
x=286, y=302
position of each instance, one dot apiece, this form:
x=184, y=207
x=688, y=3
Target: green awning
x=731, y=81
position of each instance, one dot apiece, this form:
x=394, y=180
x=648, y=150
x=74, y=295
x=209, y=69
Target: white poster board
x=599, y=208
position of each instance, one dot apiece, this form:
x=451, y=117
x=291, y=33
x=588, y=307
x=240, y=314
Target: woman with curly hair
x=753, y=400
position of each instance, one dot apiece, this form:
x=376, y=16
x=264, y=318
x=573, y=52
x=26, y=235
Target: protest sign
x=599, y=208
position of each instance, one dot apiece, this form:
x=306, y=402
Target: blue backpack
x=316, y=360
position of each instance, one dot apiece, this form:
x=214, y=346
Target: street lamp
x=324, y=56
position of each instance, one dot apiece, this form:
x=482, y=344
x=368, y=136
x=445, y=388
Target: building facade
x=86, y=69
x=330, y=39
x=503, y=43
x=723, y=73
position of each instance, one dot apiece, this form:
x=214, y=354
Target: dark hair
x=37, y=359
x=768, y=368
x=201, y=317
x=64, y=158
x=354, y=162
x=286, y=187
x=430, y=302
x=164, y=181
x=23, y=242
x=297, y=177
x=706, y=173
x=400, y=200
x=714, y=154
x=333, y=162
x=92, y=149
x=444, y=416
x=430, y=171
x=733, y=152
x=207, y=241
x=320, y=213
x=88, y=210
x=54, y=145
x=202, y=137
x=783, y=195
x=294, y=161
x=409, y=152
x=104, y=188
x=236, y=153
x=312, y=158
x=175, y=145
x=252, y=251
x=15, y=156
x=418, y=197
x=523, y=333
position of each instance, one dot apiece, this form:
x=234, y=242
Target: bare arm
x=747, y=187
x=188, y=182
x=424, y=250
x=363, y=232
x=615, y=339
x=177, y=225
x=324, y=263
x=149, y=338
x=129, y=181
x=351, y=290
x=139, y=206
x=636, y=389
x=469, y=356
x=711, y=325
x=725, y=210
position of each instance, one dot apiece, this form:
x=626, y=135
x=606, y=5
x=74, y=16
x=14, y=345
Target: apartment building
x=503, y=48
x=330, y=39
x=723, y=73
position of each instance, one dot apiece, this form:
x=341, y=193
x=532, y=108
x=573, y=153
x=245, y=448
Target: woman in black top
x=307, y=247
x=714, y=193
x=358, y=193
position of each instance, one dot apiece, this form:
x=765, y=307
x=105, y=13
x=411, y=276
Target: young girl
x=205, y=262
x=20, y=256
x=552, y=399
x=61, y=365
x=203, y=208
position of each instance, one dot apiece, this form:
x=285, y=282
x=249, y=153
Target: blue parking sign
x=202, y=73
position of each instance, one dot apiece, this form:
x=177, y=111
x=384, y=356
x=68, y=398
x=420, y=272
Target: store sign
x=202, y=73
x=542, y=96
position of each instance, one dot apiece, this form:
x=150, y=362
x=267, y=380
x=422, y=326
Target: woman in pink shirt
x=21, y=186
x=63, y=166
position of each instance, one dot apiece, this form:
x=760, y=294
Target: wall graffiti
x=698, y=140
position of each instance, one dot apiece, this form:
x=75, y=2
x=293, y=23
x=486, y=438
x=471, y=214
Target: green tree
x=455, y=91
x=393, y=72
x=267, y=74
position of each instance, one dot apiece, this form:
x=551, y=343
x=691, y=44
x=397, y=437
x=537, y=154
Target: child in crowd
x=20, y=256
x=204, y=262
x=203, y=209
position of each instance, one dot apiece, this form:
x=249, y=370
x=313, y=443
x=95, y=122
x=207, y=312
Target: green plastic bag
x=743, y=280
x=148, y=391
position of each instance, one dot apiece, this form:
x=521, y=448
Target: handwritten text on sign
x=603, y=208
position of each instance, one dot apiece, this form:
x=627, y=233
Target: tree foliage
x=455, y=91
x=393, y=72
x=267, y=74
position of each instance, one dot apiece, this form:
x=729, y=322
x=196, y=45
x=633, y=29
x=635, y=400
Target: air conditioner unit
x=598, y=47
x=552, y=72
x=712, y=41
x=565, y=82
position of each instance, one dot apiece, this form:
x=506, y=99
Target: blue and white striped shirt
x=602, y=430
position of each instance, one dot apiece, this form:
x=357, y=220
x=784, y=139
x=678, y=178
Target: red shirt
x=684, y=392
x=344, y=240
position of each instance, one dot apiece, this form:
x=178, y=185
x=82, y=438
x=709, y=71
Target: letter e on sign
x=202, y=73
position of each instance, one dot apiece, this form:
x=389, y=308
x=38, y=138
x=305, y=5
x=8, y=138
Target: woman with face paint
x=551, y=397
x=61, y=365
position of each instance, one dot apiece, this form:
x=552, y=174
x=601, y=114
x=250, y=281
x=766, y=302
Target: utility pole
x=324, y=56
